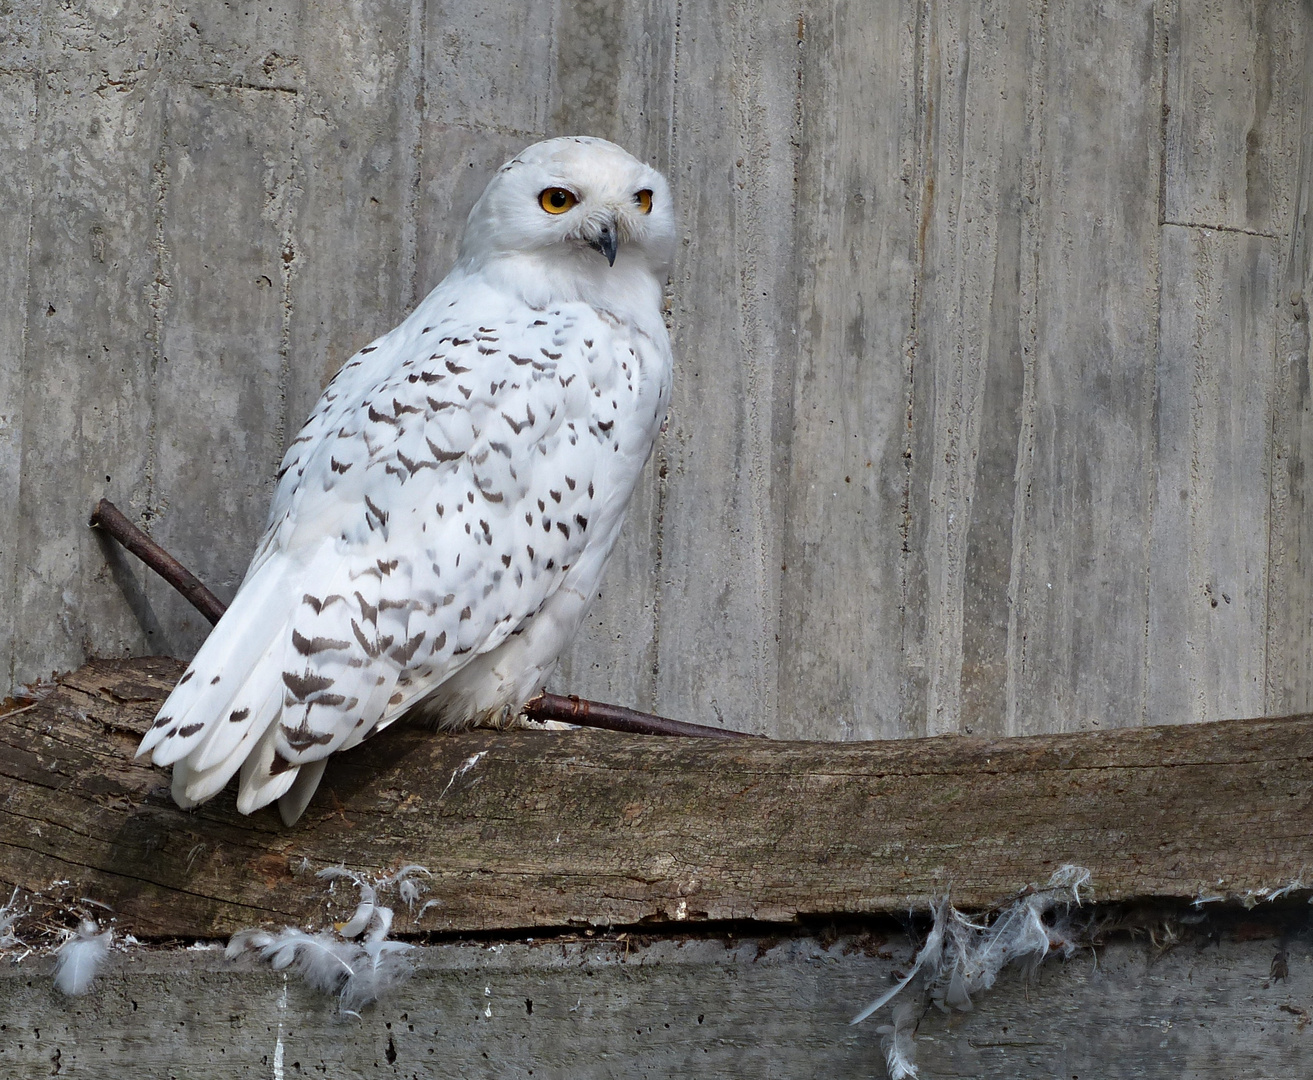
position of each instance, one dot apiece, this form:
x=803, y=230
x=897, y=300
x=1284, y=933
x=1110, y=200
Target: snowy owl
x=443, y=519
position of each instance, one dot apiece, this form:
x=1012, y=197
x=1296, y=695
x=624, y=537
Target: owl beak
x=606, y=242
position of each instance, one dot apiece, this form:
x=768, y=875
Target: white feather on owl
x=443, y=520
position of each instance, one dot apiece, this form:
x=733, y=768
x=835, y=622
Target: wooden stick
x=576, y=710
x=109, y=517
x=545, y=707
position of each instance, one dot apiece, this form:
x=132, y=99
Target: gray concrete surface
x=992, y=340
x=751, y=1009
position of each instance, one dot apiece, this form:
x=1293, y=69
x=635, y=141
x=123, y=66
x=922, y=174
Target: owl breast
x=622, y=373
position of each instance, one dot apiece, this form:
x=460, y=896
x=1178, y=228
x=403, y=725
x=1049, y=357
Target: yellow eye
x=556, y=200
x=644, y=200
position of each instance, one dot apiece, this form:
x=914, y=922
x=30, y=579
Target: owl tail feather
x=292, y=805
x=207, y=769
x=226, y=705
x=207, y=694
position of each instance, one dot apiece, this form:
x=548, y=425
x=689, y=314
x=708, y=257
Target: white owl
x=443, y=519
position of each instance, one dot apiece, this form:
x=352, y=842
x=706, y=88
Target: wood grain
x=17, y=131
x=1077, y=634
x=849, y=456
x=733, y=315
x=80, y=385
x=224, y=356
x=530, y=829
x=1232, y=128
x=1208, y=582
x=1290, y=641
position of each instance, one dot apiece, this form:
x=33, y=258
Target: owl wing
x=431, y=506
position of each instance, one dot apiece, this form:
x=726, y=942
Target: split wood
x=568, y=709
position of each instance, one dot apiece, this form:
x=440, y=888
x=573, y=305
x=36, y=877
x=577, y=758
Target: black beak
x=606, y=243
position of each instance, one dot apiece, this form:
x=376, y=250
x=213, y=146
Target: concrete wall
x=993, y=383
x=758, y=1009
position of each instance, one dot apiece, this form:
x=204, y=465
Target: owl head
x=576, y=206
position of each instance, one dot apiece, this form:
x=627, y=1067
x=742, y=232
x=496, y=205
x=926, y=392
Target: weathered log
x=536, y=829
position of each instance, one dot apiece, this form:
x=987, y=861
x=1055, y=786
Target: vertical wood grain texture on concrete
x=350, y=264
x=85, y=372
x=732, y=164
x=219, y=386
x=1208, y=560
x=845, y=528
x=1078, y=641
x=1290, y=572
x=969, y=368
x=992, y=344
x=1233, y=127
x=17, y=129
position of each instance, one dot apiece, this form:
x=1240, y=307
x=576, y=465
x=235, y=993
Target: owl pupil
x=558, y=198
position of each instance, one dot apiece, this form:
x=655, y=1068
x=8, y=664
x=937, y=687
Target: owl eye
x=557, y=200
x=644, y=200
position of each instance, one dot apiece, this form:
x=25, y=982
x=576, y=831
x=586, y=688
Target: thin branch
x=109, y=517
x=545, y=707
x=575, y=710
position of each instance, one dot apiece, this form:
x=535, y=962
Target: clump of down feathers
x=10, y=913
x=80, y=957
x=963, y=956
x=359, y=973
x=79, y=953
x=357, y=962
x=898, y=1043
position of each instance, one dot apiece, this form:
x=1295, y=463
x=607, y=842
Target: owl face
x=581, y=202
